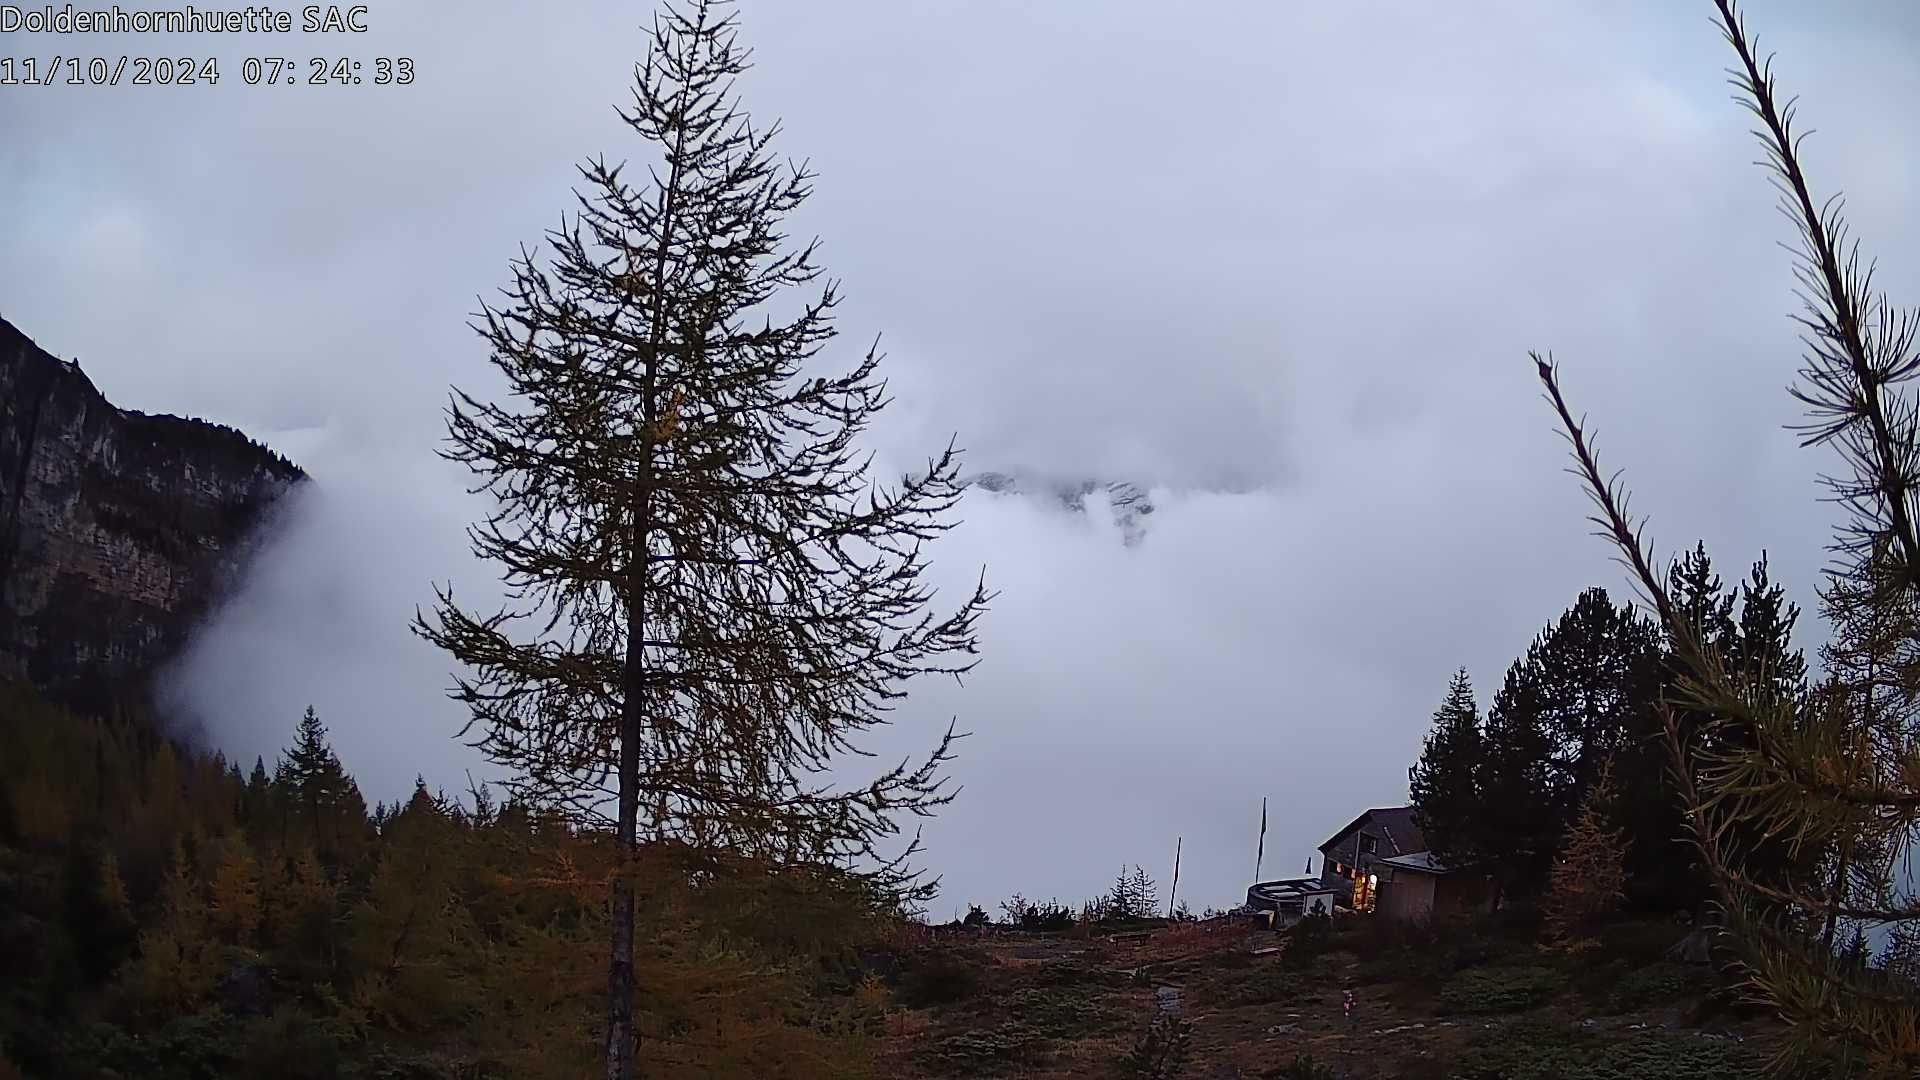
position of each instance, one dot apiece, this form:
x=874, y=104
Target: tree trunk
x=620, y=1038
x=620, y=1042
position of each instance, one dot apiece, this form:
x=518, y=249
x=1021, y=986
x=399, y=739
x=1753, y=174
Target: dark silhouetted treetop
x=1444, y=786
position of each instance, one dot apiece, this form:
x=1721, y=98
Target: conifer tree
x=1825, y=771
x=1134, y=895
x=1597, y=670
x=302, y=909
x=253, y=800
x=1701, y=598
x=321, y=801
x=1762, y=651
x=235, y=900
x=1517, y=822
x=412, y=935
x=98, y=912
x=1662, y=867
x=1589, y=876
x=711, y=597
x=1145, y=893
x=1120, y=906
x=175, y=964
x=1582, y=693
x=1445, y=784
x=1900, y=959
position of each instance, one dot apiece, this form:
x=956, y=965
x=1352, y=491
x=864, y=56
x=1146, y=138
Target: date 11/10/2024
x=190, y=71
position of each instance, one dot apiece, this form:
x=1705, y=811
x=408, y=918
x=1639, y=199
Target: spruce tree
x=1663, y=870
x=1762, y=652
x=1518, y=824
x=1900, y=959
x=711, y=597
x=321, y=801
x=1701, y=598
x=1145, y=892
x=1761, y=656
x=1444, y=786
x=1120, y=906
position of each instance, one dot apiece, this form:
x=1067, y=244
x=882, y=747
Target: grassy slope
x=1479, y=1002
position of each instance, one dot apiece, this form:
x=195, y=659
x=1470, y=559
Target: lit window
x=1365, y=891
x=1369, y=845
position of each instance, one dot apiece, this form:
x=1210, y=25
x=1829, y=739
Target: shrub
x=1072, y=973
x=1486, y=991
x=1303, y=1067
x=1162, y=1050
x=1549, y=1052
x=1230, y=959
x=1657, y=983
x=1267, y=984
x=936, y=976
x=1639, y=941
x=1061, y=1012
x=1392, y=950
x=1051, y=917
x=980, y=1053
x=1310, y=936
x=288, y=1044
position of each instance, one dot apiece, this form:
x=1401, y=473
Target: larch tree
x=1589, y=874
x=1444, y=786
x=1831, y=770
x=711, y=598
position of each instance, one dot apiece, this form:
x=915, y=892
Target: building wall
x=1348, y=850
x=1409, y=895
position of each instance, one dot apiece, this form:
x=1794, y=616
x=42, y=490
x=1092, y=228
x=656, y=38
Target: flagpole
x=1260, y=855
x=1175, y=891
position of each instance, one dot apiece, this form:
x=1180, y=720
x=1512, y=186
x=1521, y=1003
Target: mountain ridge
x=1130, y=503
x=118, y=529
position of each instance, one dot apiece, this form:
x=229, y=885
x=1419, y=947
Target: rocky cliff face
x=1129, y=501
x=118, y=530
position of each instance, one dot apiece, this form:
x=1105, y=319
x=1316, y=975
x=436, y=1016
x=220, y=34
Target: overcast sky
x=1280, y=262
